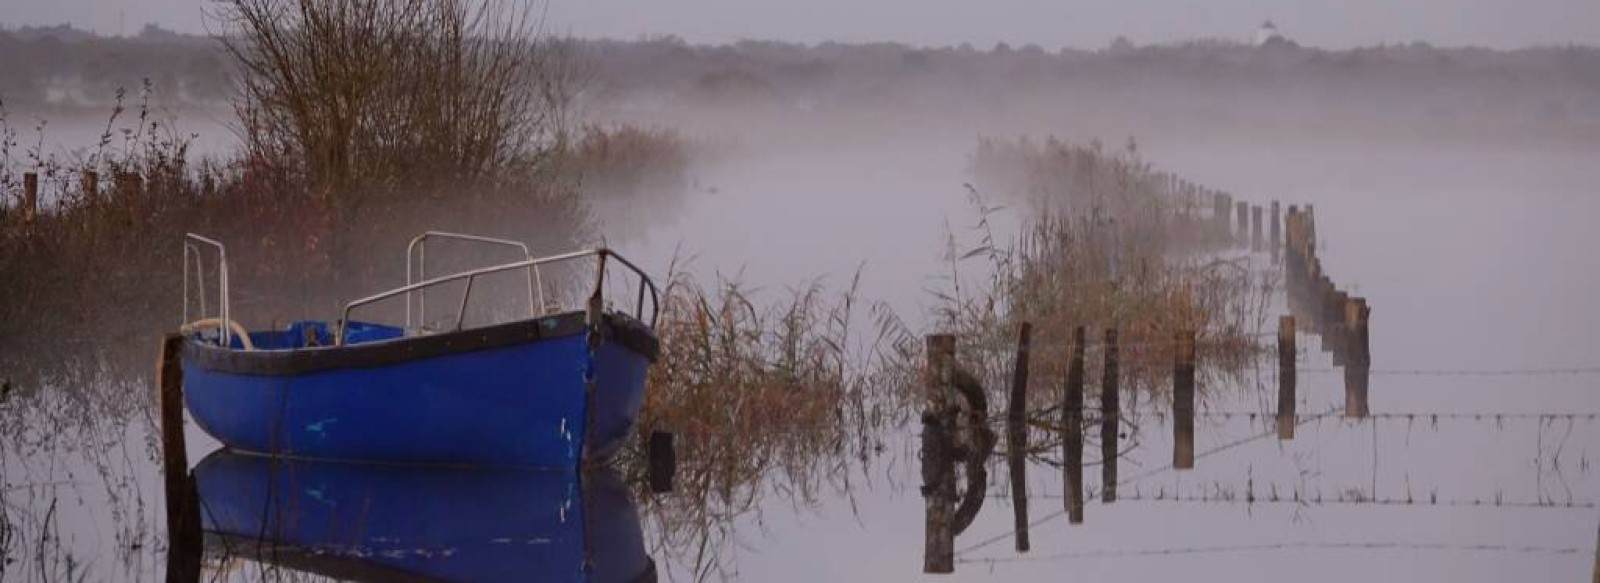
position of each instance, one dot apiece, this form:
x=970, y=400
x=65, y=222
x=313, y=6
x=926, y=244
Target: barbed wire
x=1363, y=545
x=1213, y=451
x=1319, y=501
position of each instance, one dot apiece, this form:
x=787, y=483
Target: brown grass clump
x=785, y=398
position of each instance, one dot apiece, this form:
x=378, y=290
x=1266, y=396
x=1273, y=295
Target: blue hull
x=395, y=523
x=509, y=395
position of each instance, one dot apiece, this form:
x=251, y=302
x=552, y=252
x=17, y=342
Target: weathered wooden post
x=1329, y=311
x=1110, y=416
x=1243, y=234
x=1335, y=334
x=90, y=183
x=1275, y=241
x=1286, y=377
x=1221, y=205
x=183, y=506
x=1255, y=228
x=1357, y=368
x=1072, y=442
x=1293, y=262
x=1183, y=401
x=1017, y=436
x=30, y=196
x=938, y=471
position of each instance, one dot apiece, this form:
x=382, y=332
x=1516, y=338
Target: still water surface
x=1475, y=260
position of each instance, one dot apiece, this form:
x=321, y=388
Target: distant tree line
x=65, y=67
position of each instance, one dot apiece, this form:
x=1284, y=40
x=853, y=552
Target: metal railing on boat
x=417, y=253
x=192, y=251
x=601, y=254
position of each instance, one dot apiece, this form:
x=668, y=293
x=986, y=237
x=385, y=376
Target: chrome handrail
x=601, y=254
x=192, y=250
x=417, y=252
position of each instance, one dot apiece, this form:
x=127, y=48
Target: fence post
x=1243, y=233
x=1275, y=241
x=1286, y=377
x=1072, y=442
x=183, y=505
x=1110, y=415
x=1017, y=436
x=1335, y=335
x=938, y=471
x=1255, y=228
x=1221, y=205
x=30, y=196
x=1357, y=368
x=1183, y=401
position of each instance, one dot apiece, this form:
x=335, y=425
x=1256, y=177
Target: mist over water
x=1470, y=238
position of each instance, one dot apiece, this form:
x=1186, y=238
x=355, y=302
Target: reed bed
x=789, y=398
x=1102, y=245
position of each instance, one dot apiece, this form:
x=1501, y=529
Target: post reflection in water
x=385, y=522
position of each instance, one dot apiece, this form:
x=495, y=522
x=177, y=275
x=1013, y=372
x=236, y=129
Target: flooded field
x=1476, y=461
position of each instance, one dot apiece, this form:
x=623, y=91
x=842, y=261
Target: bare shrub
x=389, y=89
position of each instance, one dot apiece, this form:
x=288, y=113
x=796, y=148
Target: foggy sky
x=1048, y=23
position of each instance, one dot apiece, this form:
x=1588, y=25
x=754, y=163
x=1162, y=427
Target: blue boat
x=383, y=522
x=553, y=389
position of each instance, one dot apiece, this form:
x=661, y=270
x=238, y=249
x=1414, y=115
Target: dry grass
x=784, y=398
x=1103, y=246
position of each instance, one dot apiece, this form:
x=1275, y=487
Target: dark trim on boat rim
x=619, y=328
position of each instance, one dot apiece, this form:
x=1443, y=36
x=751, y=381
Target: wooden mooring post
x=184, y=541
x=1183, y=401
x=1286, y=377
x=938, y=466
x=1072, y=422
x=30, y=196
x=1110, y=415
x=1358, y=363
x=1017, y=436
x=1255, y=228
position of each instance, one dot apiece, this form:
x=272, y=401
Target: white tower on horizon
x=1267, y=32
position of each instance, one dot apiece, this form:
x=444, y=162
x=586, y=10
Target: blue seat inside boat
x=312, y=333
x=356, y=332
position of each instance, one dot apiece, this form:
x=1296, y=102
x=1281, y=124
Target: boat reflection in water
x=389, y=523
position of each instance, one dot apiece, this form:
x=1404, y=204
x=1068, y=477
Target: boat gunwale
x=615, y=327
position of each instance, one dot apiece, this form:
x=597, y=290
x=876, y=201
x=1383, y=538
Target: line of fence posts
x=1341, y=320
x=940, y=415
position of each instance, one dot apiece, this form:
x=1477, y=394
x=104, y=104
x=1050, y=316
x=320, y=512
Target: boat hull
x=514, y=394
